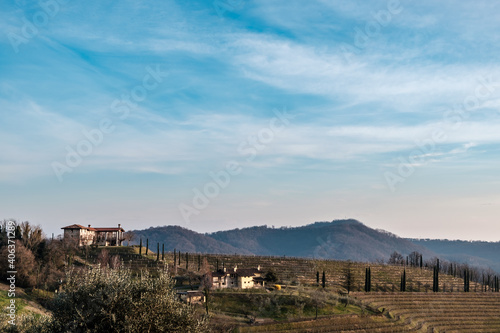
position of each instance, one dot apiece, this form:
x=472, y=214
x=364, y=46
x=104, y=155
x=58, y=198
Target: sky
x=224, y=114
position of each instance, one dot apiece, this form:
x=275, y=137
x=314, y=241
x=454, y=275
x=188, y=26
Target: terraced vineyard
x=303, y=271
x=370, y=324
x=441, y=312
x=295, y=271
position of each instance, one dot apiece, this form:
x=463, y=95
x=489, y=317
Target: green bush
x=107, y=300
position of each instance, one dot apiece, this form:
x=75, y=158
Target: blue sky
x=383, y=111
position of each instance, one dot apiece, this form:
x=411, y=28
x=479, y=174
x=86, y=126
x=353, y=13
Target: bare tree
x=414, y=258
x=206, y=278
x=103, y=258
x=31, y=236
x=128, y=236
x=396, y=259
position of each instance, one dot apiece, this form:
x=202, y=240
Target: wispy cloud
x=352, y=119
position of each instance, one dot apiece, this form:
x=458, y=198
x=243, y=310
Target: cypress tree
x=368, y=279
x=217, y=265
x=323, y=280
x=140, y=246
x=163, y=252
x=435, y=284
x=317, y=278
x=147, y=245
x=466, y=281
x=187, y=260
x=403, y=281
x=434, y=279
x=175, y=257
x=179, y=257
x=199, y=262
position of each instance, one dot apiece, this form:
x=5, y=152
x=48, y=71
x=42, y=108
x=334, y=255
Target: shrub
x=108, y=300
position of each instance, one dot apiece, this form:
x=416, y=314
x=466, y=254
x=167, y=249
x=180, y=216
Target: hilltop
x=175, y=237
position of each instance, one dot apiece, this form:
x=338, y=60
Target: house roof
x=77, y=226
x=219, y=274
x=110, y=229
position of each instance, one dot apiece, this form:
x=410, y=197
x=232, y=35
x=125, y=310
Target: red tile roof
x=77, y=226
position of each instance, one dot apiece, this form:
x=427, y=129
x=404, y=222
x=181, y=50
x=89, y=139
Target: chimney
x=89, y=225
x=235, y=268
x=119, y=225
x=224, y=269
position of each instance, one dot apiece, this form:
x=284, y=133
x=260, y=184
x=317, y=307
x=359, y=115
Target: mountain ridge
x=347, y=239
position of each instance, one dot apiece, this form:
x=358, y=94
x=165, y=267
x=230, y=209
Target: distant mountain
x=342, y=239
x=339, y=239
x=175, y=237
x=476, y=253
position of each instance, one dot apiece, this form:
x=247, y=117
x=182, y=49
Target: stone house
x=94, y=236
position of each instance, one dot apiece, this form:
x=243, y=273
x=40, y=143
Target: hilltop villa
x=90, y=236
x=238, y=278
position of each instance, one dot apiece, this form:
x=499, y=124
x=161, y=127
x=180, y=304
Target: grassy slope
x=26, y=303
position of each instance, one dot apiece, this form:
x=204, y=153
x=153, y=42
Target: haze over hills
x=339, y=239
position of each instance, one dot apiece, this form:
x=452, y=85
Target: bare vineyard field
x=297, y=271
x=337, y=324
x=440, y=312
x=407, y=312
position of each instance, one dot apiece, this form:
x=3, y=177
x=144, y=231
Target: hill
x=185, y=240
x=339, y=239
x=342, y=240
